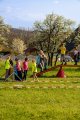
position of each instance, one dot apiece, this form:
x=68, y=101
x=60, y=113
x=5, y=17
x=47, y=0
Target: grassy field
x=41, y=103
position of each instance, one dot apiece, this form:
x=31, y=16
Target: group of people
x=16, y=68
x=20, y=69
x=41, y=61
x=75, y=54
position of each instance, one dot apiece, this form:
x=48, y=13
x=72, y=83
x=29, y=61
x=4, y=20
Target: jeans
x=7, y=73
x=25, y=74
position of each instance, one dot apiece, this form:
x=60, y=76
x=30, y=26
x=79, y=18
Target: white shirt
x=75, y=52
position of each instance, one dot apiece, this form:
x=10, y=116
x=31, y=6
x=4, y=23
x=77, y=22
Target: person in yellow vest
x=7, y=67
x=34, y=69
x=63, y=52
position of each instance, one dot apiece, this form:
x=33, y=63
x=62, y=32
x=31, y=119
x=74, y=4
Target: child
x=34, y=68
x=7, y=67
x=11, y=66
x=19, y=70
x=25, y=68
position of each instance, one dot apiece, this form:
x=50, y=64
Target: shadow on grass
x=2, y=78
x=44, y=76
x=47, y=76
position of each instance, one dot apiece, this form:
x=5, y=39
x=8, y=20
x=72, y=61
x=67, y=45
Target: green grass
x=40, y=103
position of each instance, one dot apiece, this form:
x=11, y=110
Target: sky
x=23, y=13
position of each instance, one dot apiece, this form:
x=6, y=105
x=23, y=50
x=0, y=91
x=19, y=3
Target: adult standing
x=41, y=60
x=63, y=52
x=45, y=60
x=75, y=57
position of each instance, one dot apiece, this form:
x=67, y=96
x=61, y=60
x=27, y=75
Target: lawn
x=41, y=102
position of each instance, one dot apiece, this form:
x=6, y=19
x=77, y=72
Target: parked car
x=68, y=58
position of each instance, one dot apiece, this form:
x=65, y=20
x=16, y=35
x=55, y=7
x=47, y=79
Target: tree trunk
x=50, y=59
x=51, y=63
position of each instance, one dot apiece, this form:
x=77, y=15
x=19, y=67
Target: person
x=75, y=55
x=15, y=70
x=25, y=68
x=41, y=60
x=11, y=62
x=34, y=69
x=7, y=67
x=38, y=60
x=63, y=52
x=78, y=57
x=11, y=66
x=19, y=70
x=15, y=73
x=57, y=56
x=45, y=60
